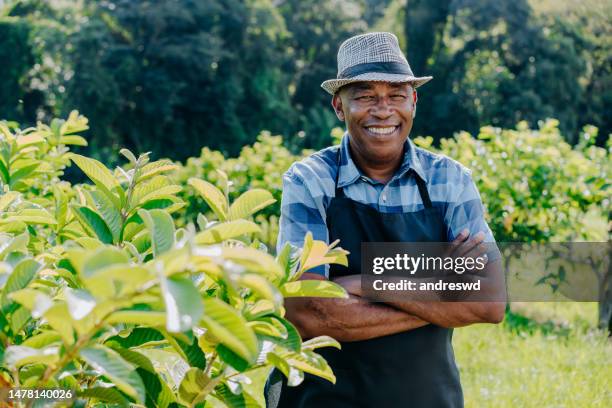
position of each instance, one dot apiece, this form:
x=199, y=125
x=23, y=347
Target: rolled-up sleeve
x=300, y=214
x=465, y=210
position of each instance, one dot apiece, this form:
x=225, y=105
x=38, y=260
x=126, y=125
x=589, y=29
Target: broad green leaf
x=73, y=140
x=227, y=325
x=31, y=216
x=249, y=203
x=138, y=336
x=139, y=317
x=258, y=309
x=93, y=223
x=101, y=259
x=134, y=357
x=58, y=317
x=101, y=176
x=17, y=356
x=266, y=329
x=42, y=339
x=19, y=243
x=34, y=300
x=215, y=199
x=23, y=273
x=310, y=362
x=255, y=261
x=231, y=400
x=161, y=229
x=319, y=253
x=262, y=287
x=157, y=167
x=226, y=230
x=313, y=288
x=101, y=394
x=110, y=214
x=320, y=341
x=80, y=302
x=194, y=383
x=294, y=376
x=183, y=303
x=293, y=340
x=109, y=363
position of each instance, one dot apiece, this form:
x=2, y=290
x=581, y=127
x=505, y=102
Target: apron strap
x=423, y=191
x=339, y=191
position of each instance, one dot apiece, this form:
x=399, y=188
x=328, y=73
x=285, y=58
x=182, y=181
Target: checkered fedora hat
x=372, y=57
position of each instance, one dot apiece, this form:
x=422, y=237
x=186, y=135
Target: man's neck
x=381, y=171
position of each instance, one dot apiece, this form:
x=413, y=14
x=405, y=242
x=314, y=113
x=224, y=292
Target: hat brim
x=331, y=86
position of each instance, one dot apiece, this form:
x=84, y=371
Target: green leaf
x=230, y=328
x=262, y=287
x=194, y=382
x=313, y=288
x=183, y=303
x=215, y=199
x=101, y=176
x=249, y=203
x=310, y=362
x=255, y=261
x=19, y=243
x=229, y=357
x=294, y=376
x=226, y=230
x=161, y=229
x=23, y=273
x=42, y=339
x=93, y=223
x=73, y=140
x=231, y=400
x=31, y=216
x=17, y=356
x=80, y=302
x=58, y=318
x=109, y=363
x=140, y=317
x=104, y=395
x=110, y=214
x=320, y=341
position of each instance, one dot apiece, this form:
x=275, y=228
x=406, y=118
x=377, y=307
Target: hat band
x=381, y=67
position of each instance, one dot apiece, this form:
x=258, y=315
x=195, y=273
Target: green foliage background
x=178, y=75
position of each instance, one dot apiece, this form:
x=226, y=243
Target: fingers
x=472, y=245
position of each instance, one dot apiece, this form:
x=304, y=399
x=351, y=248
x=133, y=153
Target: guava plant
x=103, y=294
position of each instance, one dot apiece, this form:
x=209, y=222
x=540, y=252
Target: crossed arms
x=355, y=318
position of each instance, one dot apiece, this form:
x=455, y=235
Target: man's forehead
x=368, y=85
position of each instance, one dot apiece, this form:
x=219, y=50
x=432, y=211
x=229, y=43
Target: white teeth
x=382, y=131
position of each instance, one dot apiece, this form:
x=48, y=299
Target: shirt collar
x=349, y=173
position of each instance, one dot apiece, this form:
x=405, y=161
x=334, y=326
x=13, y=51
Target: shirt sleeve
x=465, y=210
x=300, y=213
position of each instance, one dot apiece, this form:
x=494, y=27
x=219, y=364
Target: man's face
x=378, y=117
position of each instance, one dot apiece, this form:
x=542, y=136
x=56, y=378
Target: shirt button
x=384, y=198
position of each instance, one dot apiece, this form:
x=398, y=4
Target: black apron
x=410, y=369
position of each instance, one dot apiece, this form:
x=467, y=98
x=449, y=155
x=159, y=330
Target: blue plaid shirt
x=308, y=187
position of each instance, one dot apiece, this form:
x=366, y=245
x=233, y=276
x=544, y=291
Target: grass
x=543, y=355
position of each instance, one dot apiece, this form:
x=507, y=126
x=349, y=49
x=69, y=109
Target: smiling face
x=378, y=116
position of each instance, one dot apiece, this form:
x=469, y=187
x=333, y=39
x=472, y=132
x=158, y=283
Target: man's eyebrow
x=360, y=87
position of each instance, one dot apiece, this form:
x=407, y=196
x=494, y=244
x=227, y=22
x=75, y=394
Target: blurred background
x=172, y=76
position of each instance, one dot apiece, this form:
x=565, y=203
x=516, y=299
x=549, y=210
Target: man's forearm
x=350, y=319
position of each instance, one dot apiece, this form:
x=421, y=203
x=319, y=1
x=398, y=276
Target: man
x=378, y=186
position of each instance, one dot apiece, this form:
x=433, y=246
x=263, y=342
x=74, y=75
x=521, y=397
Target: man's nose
x=382, y=109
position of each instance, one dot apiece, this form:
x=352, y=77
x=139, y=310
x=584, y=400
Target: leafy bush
x=103, y=294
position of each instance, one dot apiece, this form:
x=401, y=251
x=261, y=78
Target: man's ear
x=415, y=98
x=337, y=105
